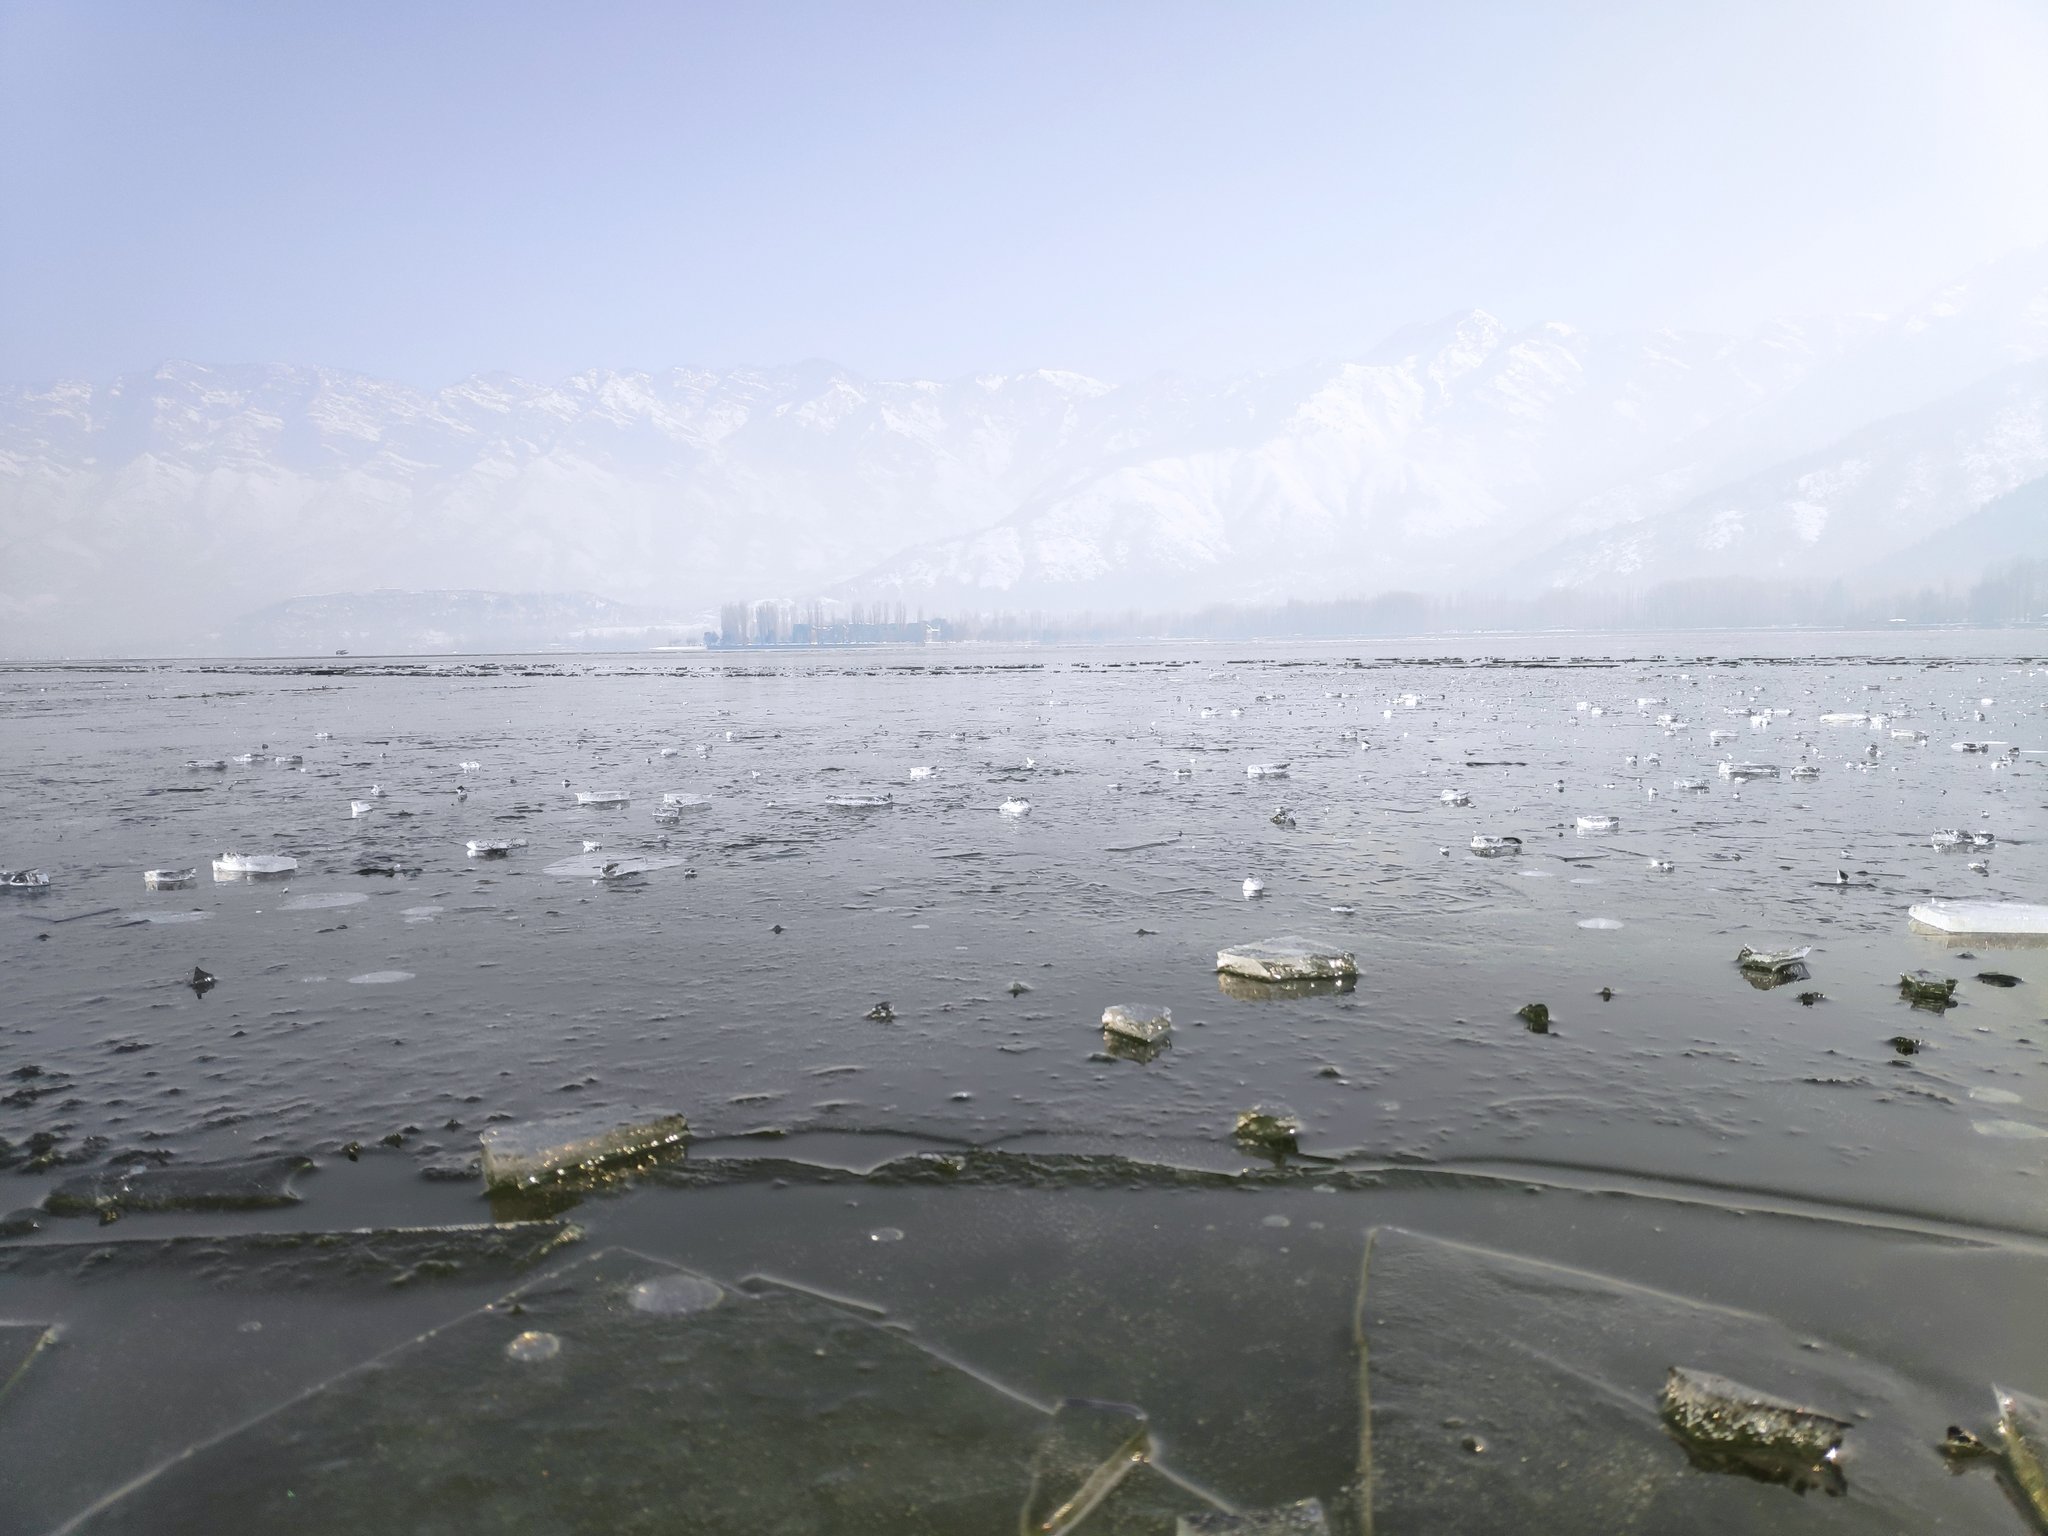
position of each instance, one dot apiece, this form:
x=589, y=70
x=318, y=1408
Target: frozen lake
x=1820, y=1158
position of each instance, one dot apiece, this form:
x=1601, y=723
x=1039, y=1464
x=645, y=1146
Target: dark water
x=1098, y=1233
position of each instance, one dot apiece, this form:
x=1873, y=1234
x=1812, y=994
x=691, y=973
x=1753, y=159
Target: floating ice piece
x=380, y=978
x=1986, y=919
x=1925, y=987
x=1495, y=847
x=603, y=799
x=1286, y=959
x=921, y=771
x=1955, y=839
x=1281, y=817
x=290, y=760
x=1845, y=718
x=1661, y=866
x=23, y=879
x=681, y=804
x=859, y=802
x=1409, y=700
x=323, y=735
x=259, y=1184
x=1646, y=703
x=1265, y=770
x=1748, y=771
x=493, y=847
x=1697, y=786
x=243, y=757
x=2023, y=1436
x=669, y=751
x=1806, y=771
x=536, y=1152
x=1253, y=886
x=1455, y=797
x=253, y=866
x=1726, y=1419
x=376, y=791
x=217, y=764
x=1304, y=1517
x=361, y=807
x=1715, y=738
x=467, y=766
x=169, y=879
x=1916, y=737
x=1772, y=961
x=1598, y=823
x=1975, y=746
x=1015, y=807
x=1146, y=1023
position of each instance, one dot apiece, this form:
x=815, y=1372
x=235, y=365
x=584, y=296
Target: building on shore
x=779, y=625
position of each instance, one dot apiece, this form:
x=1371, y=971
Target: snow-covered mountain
x=150, y=511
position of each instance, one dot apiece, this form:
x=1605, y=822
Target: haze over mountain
x=148, y=511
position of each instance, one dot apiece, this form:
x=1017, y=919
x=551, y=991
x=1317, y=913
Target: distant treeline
x=2016, y=593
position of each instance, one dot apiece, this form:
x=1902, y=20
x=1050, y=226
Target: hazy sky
x=425, y=191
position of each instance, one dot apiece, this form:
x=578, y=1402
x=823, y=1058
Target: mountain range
x=150, y=511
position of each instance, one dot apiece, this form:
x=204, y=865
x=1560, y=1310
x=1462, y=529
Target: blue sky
x=425, y=191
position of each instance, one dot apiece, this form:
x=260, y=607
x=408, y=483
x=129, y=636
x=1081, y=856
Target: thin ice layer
x=777, y=1411
x=1506, y=1394
x=252, y=1185
x=540, y=1151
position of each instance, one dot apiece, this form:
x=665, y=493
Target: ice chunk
x=1088, y=1449
x=1720, y=1419
x=1953, y=839
x=1455, y=797
x=1926, y=989
x=321, y=901
x=1495, y=847
x=23, y=880
x=859, y=802
x=1016, y=807
x=1266, y=771
x=1845, y=719
x=1986, y=919
x=1304, y=1517
x=1698, y=786
x=674, y=804
x=1916, y=737
x=921, y=771
x=603, y=799
x=1772, y=961
x=2023, y=1434
x=215, y=764
x=493, y=847
x=468, y=765
x=361, y=807
x=1146, y=1023
x=253, y=866
x=1286, y=959
x=258, y=1184
x=1253, y=886
x=1599, y=824
x=542, y=1151
x=1806, y=771
x=1741, y=771
x=1272, y=1131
